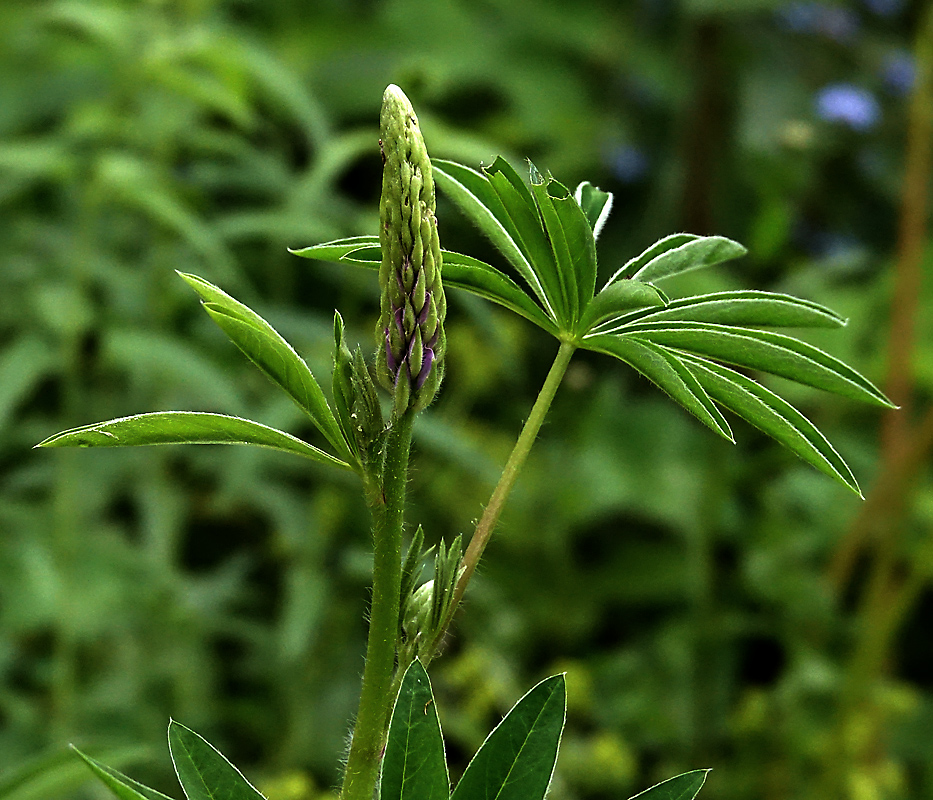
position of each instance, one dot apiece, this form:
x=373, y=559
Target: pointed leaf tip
x=680, y=787
x=773, y=415
x=516, y=762
x=414, y=766
x=767, y=351
x=203, y=771
x=596, y=205
x=119, y=784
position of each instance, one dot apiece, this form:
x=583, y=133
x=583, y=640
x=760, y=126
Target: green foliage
x=184, y=427
x=680, y=581
x=355, y=400
x=56, y=773
x=121, y=785
x=415, y=767
x=273, y=355
x=549, y=239
x=425, y=610
x=517, y=760
x=202, y=770
x=681, y=787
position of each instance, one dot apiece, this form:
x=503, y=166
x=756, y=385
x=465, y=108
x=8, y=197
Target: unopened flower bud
x=410, y=332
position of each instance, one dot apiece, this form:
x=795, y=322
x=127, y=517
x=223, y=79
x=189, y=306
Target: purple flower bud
x=412, y=305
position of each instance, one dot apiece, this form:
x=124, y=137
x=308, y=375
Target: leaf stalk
x=510, y=472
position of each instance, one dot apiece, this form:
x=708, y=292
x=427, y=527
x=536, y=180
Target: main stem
x=510, y=473
x=362, y=771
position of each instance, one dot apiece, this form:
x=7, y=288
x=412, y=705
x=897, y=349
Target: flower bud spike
x=410, y=332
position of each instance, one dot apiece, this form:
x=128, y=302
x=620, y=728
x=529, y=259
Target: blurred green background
x=713, y=606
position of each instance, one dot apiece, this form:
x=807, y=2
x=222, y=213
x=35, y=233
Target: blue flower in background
x=800, y=17
x=898, y=72
x=628, y=163
x=848, y=104
x=834, y=22
x=838, y=24
x=885, y=8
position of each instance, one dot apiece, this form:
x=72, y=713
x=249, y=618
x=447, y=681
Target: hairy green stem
x=513, y=466
x=388, y=509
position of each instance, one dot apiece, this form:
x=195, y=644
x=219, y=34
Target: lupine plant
x=693, y=348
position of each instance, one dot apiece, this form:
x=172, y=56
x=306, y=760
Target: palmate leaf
x=667, y=372
x=203, y=772
x=414, y=766
x=186, y=427
x=263, y=345
x=740, y=307
x=477, y=198
x=548, y=236
x=772, y=415
x=572, y=242
x=678, y=253
x=767, y=351
x=517, y=759
x=459, y=272
x=681, y=787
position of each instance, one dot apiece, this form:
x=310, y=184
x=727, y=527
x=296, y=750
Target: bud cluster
x=410, y=331
x=423, y=610
x=356, y=401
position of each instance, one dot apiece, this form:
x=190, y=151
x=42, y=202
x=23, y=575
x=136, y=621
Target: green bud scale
x=410, y=332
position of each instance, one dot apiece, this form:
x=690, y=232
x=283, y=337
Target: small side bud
x=424, y=609
x=342, y=383
x=355, y=399
x=366, y=413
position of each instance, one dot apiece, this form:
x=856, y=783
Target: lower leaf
x=203, y=771
x=186, y=427
x=517, y=759
x=414, y=766
x=122, y=786
x=681, y=787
